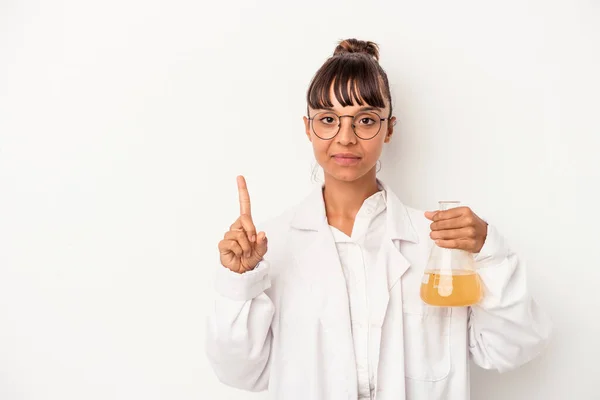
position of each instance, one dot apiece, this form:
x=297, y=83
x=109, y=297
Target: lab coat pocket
x=427, y=342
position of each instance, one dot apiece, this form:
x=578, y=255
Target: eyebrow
x=367, y=108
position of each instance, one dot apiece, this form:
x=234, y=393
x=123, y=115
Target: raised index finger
x=244, y=196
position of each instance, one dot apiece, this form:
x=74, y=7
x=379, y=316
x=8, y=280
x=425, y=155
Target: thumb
x=261, y=244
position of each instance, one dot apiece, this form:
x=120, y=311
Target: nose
x=346, y=134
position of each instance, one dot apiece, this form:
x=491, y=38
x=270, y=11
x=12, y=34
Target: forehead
x=358, y=103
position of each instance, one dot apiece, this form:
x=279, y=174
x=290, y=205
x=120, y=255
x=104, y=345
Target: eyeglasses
x=366, y=124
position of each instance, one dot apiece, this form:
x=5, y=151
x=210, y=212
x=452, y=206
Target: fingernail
x=253, y=239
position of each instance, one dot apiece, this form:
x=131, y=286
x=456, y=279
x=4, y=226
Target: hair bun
x=357, y=46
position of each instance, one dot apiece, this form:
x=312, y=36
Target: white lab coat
x=285, y=326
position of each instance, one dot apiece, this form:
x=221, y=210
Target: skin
x=458, y=228
x=346, y=188
x=242, y=248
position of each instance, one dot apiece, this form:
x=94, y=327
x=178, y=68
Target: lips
x=346, y=159
x=346, y=155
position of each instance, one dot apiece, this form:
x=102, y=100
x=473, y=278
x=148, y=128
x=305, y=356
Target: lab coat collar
x=310, y=215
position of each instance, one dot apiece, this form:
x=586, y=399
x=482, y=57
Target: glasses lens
x=326, y=125
x=367, y=125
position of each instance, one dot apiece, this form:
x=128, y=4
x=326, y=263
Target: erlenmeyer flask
x=450, y=278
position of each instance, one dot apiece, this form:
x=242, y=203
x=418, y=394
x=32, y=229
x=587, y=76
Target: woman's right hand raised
x=242, y=248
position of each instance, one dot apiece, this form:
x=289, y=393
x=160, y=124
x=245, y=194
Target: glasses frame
x=340, y=123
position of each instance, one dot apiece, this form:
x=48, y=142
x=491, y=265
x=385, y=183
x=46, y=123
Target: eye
x=327, y=120
x=366, y=121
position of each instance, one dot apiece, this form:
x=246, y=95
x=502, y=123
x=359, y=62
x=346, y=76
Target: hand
x=458, y=228
x=241, y=248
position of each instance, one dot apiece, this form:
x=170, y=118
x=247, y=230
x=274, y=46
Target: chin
x=345, y=174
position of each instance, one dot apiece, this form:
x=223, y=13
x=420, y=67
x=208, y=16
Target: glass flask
x=450, y=278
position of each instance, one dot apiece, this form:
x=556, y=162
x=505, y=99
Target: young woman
x=332, y=310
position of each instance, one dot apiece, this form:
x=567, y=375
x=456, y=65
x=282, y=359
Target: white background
x=123, y=124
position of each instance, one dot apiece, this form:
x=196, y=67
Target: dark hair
x=355, y=74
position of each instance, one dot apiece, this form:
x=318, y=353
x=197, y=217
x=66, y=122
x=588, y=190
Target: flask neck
x=446, y=205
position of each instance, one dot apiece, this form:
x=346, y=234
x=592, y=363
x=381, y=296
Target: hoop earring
x=314, y=172
x=378, y=166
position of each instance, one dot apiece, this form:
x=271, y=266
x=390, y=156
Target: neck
x=344, y=199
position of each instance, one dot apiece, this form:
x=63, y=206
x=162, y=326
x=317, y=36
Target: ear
x=390, y=130
x=307, y=128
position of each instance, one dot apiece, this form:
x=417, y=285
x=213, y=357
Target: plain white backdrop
x=123, y=124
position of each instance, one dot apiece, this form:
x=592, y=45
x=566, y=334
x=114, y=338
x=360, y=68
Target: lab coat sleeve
x=506, y=328
x=239, y=328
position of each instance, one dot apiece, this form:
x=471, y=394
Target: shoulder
x=420, y=225
x=418, y=220
x=410, y=221
x=307, y=210
x=277, y=227
x=278, y=230
x=279, y=223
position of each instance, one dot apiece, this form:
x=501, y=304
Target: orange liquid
x=462, y=289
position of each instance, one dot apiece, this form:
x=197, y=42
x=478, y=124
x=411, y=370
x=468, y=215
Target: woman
x=333, y=310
